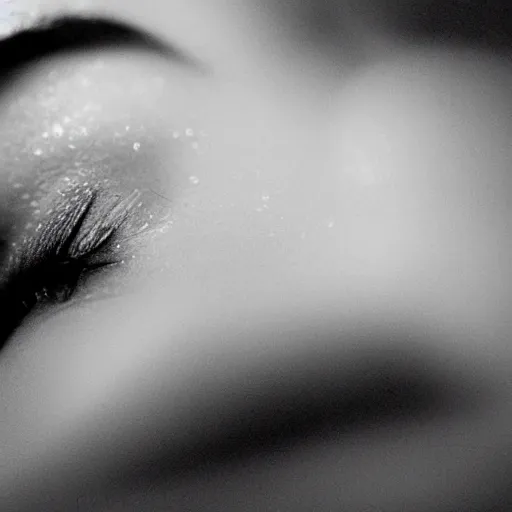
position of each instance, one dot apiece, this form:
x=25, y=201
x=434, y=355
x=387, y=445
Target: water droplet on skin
x=17, y=185
x=194, y=180
x=71, y=146
x=175, y=135
x=195, y=145
x=34, y=204
x=265, y=198
x=38, y=152
x=330, y=224
x=45, y=135
x=25, y=197
x=189, y=132
x=136, y=146
x=127, y=128
x=58, y=130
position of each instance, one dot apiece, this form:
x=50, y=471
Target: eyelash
x=70, y=248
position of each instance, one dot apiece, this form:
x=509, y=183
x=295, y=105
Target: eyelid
x=74, y=242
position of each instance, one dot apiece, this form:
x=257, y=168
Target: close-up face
x=255, y=256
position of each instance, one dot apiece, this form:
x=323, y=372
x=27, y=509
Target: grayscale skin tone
x=315, y=210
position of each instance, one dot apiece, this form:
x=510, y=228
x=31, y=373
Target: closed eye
x=49, y=273
x=70, y=245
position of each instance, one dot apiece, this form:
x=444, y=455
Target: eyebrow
x=68, y=33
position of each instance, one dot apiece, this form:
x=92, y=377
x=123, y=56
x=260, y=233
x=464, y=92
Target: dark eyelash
x=77, y=242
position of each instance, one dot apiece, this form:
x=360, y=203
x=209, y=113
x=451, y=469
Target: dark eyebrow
x=49, y=37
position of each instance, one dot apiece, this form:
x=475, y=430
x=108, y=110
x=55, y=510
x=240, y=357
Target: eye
x=75, y=241
x=72, y=155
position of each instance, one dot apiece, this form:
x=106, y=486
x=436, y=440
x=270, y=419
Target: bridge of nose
x=418, y=157
x=393, y=182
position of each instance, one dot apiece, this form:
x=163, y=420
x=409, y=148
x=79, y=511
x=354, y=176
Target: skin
x=334, y=214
